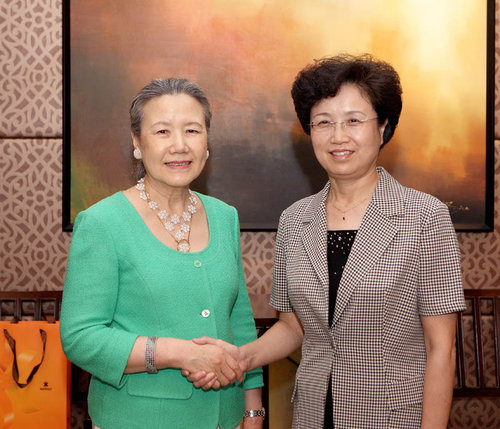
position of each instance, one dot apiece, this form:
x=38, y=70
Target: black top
x=339, y=247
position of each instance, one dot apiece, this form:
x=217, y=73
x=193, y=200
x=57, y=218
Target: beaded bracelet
x=150, y=358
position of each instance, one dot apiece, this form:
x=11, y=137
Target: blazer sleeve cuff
x=253, y=379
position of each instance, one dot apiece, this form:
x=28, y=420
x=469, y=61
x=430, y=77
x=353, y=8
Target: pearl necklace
x=177, y=226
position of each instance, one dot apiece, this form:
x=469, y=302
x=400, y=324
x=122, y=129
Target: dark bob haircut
x=323, y=79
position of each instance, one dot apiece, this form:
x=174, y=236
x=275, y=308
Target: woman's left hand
x=253, y=401
x=439, y=336
x=253, y=423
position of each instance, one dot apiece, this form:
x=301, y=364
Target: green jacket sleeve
x=90, y=293
x=242, y=320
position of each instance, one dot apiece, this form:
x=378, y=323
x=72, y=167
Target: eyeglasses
x=350, y=124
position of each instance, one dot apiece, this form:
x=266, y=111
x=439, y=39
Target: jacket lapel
x=314, y=237
x=376, y=232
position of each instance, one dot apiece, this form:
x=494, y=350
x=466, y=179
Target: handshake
x=213, y=363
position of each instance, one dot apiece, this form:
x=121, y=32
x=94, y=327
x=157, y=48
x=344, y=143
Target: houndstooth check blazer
x=404, y=263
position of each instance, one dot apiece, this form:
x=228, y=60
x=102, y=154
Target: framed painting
x=245, y=55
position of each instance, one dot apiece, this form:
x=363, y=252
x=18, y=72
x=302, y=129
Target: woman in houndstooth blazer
x=367, y=272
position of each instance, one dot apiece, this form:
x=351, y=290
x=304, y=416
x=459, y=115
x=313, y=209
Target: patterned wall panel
x=481, y=251
x=33, y=247
x=257, y=250
x=31, y=68
x=475, y=413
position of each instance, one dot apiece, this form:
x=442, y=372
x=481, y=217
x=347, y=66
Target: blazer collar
x=378, y=228
x=317, y=206
x=314, y=240
x=387, y=197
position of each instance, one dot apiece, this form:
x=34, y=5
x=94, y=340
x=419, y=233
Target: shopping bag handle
x=15, y=369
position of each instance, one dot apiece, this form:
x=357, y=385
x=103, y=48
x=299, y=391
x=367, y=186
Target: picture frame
x=245, y=57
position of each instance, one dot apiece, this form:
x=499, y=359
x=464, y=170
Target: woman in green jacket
x=151, y=268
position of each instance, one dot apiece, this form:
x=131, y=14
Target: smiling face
x=347, y=152
x=173, y=140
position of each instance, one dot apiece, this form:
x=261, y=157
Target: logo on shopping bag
x=45, y=386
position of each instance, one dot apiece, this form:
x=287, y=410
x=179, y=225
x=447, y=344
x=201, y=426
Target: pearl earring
x=208, y=153
x=137, y=154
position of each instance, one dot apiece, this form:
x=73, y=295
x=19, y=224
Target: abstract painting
x=245, y=55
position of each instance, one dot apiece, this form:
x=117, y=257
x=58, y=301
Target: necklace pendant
x=183, y=246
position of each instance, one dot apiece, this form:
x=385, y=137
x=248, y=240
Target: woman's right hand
x=213, y=364
x=218, y=366
x=209, y=380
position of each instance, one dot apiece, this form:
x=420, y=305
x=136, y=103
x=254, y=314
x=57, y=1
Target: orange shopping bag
x=34, y=377
x=6, y=409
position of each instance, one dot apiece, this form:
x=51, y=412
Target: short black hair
x=323, y=79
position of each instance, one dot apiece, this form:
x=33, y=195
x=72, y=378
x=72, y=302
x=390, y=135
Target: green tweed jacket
x=121, y=283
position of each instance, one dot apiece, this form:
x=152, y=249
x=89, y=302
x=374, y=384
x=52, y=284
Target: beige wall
x=33, y=248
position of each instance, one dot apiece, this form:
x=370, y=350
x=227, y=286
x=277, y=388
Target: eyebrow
x=167, y=123
x=160, y=123
x=194, y=123
x=350, y=112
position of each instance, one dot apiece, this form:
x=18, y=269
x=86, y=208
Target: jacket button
x=197, y=264
x=205, y=313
